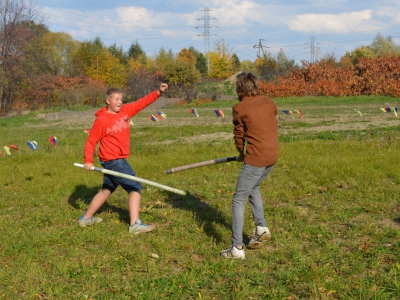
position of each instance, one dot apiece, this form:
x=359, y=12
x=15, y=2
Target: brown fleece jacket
x=255, y=122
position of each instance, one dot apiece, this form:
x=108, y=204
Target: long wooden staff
x=201, y=164
x=134, y=178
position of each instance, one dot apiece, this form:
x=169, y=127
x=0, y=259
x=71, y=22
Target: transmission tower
x=206, y=33
x=313, y=48
x=260, y=48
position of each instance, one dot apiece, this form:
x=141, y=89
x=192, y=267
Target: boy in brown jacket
x=256, y=130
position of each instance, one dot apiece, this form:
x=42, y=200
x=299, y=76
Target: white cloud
x=323, y=3
x=330, y=23
x=135, y=16
x=242, y=13
x=242, y=23
x=391, y=12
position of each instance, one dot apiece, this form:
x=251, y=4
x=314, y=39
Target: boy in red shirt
x=112, y=129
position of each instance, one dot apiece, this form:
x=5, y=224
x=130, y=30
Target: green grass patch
x=337, y=101
x=331, y=204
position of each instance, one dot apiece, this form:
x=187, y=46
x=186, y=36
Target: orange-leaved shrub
x=48, y=91
x=371, y=76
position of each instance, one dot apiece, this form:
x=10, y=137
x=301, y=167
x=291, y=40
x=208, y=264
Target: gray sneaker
x=89, y=221
x=140, y=227
x=260, y=235
x=233, y=252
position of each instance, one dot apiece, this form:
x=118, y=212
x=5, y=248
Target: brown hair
x=112, y=91
x=247, y=84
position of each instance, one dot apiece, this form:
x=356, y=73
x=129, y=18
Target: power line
x=148, y=38
x=245, y=47
x=106, y=23
x=206, y=33
x=260, y=48
x=118, y=26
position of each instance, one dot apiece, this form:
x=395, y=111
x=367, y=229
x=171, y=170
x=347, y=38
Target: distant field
x=332, y=205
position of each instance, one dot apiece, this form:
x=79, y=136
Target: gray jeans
x=247, y=186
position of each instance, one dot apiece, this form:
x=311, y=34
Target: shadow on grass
x=83, y=194
x=397, y=220
x=206, y=216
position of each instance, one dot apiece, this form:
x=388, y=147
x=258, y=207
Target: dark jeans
x=111, y=182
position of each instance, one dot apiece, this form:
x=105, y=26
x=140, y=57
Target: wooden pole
x=134, y=178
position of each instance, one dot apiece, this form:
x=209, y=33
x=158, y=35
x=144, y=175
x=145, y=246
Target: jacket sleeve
x=238, y=131
x=134, y=108
x=96, y=134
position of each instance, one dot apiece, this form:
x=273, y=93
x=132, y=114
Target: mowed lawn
x=332, y=205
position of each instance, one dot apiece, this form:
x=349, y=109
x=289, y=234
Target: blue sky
x=335, y=26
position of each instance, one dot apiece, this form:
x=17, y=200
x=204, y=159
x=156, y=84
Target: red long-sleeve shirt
x=113, y=130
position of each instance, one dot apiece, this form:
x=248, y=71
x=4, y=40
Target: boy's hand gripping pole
x=134, y=178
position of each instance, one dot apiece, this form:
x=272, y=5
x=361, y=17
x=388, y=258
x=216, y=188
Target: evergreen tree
x=118, y=52
x=201, y=61
x=236, y=61
x=136, y=52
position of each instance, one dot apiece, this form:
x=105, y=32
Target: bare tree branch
x=13, y=37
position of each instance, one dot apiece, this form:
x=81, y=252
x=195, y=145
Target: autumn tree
x=248, y=66
x=330, y=58
x=266, y=66
x=36, y=29
x=183, y=73
x=90, y=53
x=140, y=81
x=358, y=53
x=97, y=62
x=107, y=69
x=183, y=70
x=380, y=46
x=186, y=56
x=285, y=63
x=222, y=64
x=51, y=53
x=163, y=59
x=269, y=66
x=13, y=37
x=134, y=67
x=144, y=73
x=151, y=64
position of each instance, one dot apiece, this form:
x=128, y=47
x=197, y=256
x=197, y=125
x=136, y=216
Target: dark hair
x=247, y=84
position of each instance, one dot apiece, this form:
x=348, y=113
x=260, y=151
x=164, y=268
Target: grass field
x=332, y=205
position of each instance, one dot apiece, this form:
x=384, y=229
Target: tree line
x=40, y=68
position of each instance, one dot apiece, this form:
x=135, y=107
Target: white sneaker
x=260, y=234
x=89, y=221
x=140, y=227
x=233, y=252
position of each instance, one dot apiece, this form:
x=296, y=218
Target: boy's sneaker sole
x=140, y=228
x=89, y=221
x=233, y=252
x=258, y=243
